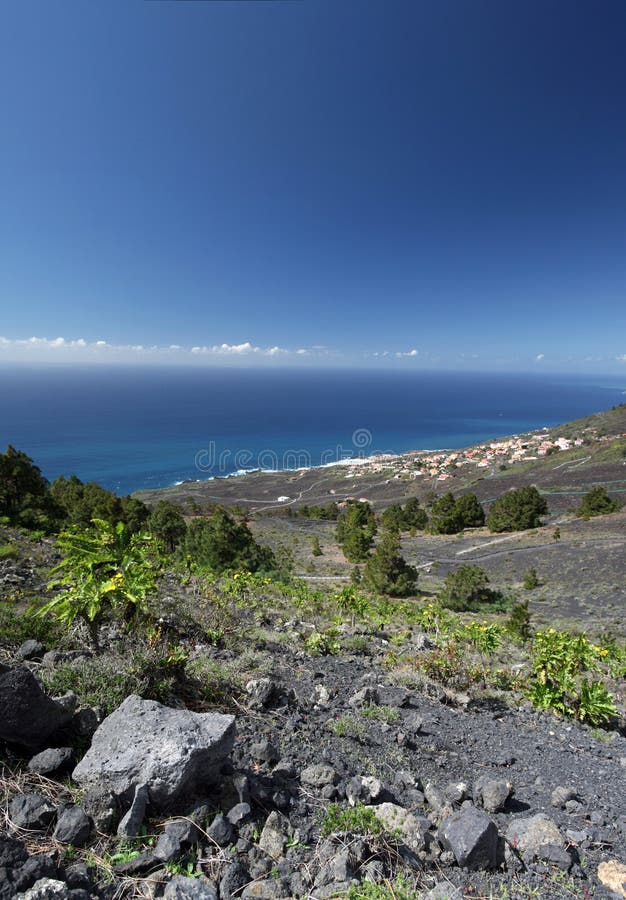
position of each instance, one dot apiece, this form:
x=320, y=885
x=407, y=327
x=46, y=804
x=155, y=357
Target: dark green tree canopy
x=449, y=516
x=470, y=512
x=597, y=502
x=413, y=514
x=404, y=518
x=221, y=543
x=466, y=588
x=81, y=503
x=356, y=527
x=24, y=492
x=387, y=572
x=517, y=510
x=168, y=524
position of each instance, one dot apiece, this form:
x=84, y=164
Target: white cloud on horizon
x=79, y=350
x=60, y=348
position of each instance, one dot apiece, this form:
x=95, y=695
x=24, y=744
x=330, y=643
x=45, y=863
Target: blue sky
x=370, y=183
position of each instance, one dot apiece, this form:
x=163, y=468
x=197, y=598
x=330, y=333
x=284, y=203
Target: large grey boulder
x=175, y=752
x=28, y=717
x=472, y=837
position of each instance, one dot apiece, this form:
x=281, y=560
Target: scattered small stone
x=264, y=751
x=36, y=867
x=103, y=807
x=233, y=879
x=421, y=641
x=274, y=835
x=612, y=874
x=177, y=836
x=73, y=826
x=181, y=888
x=220, y=830
x=53, y=760
x=284, y=769
x=67, y=701
x=77, y=876
x=456, y=792
x=443, y=890
x=473, y=838
x=30, y=650
x=319, y=775
x=396, y=819
x=391, y=695
x=573, y=807
x=52, y=658
x=31, y=811
x=363, y=789
x=260, y=691
x=492, y=793
x=131, y=822
x=528, y=835
x=268, y=889
x=12, y=852
x=138, y=865
x=577, y=836
x=504, y=759
x=322, y=695
x=239, y=813
x=561, y=796
x=47, y=889
x=86, y=721
x=367, y=696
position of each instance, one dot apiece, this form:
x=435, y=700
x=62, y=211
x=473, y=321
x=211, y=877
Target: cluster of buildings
x=441, y=465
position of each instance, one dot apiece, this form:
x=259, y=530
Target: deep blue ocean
x=131, y=428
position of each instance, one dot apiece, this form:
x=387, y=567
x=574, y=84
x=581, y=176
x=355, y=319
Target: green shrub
x=103, y=570
x=449, y=665
x=356, y=819
x=519, y=621
x=466, y=588
x=323, y=643
x=398, y=889
x=597, y=502
x=387, y=572
x=16, y=627
x=531, y=580
x=559, y=659
x=9, y=551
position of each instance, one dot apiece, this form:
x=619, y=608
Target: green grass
x=388, y=714
x=9, y=551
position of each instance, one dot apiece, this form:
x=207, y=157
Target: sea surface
x=132, y=428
